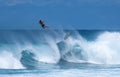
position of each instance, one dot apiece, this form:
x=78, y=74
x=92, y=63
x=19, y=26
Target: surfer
x=41, y=22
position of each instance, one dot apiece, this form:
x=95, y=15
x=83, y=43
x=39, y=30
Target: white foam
x=104, y=50
x=8, y=61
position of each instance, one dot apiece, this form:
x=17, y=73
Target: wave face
x=34, y=49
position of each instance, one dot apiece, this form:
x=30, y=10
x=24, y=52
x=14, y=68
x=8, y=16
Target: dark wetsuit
x=42, y=23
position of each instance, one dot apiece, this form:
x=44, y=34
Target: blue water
x=45, y=53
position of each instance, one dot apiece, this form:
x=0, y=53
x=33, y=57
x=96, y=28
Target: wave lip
x=29, y=61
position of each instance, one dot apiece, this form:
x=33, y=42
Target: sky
x=60, y=14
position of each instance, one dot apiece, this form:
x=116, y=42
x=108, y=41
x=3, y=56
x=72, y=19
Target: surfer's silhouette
x=41, y=22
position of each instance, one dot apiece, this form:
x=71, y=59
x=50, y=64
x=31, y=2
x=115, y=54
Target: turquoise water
x=46, y=53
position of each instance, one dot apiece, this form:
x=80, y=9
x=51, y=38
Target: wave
x=48, y=49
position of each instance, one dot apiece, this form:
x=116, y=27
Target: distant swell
x=48, y=49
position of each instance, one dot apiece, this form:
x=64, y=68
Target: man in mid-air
x=41, y=22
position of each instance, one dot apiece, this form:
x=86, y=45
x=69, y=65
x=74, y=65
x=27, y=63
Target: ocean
x=59, y=53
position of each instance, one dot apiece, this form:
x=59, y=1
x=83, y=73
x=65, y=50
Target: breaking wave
x=47, y=48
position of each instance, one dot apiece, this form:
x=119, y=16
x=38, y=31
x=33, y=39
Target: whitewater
x=45, y=53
